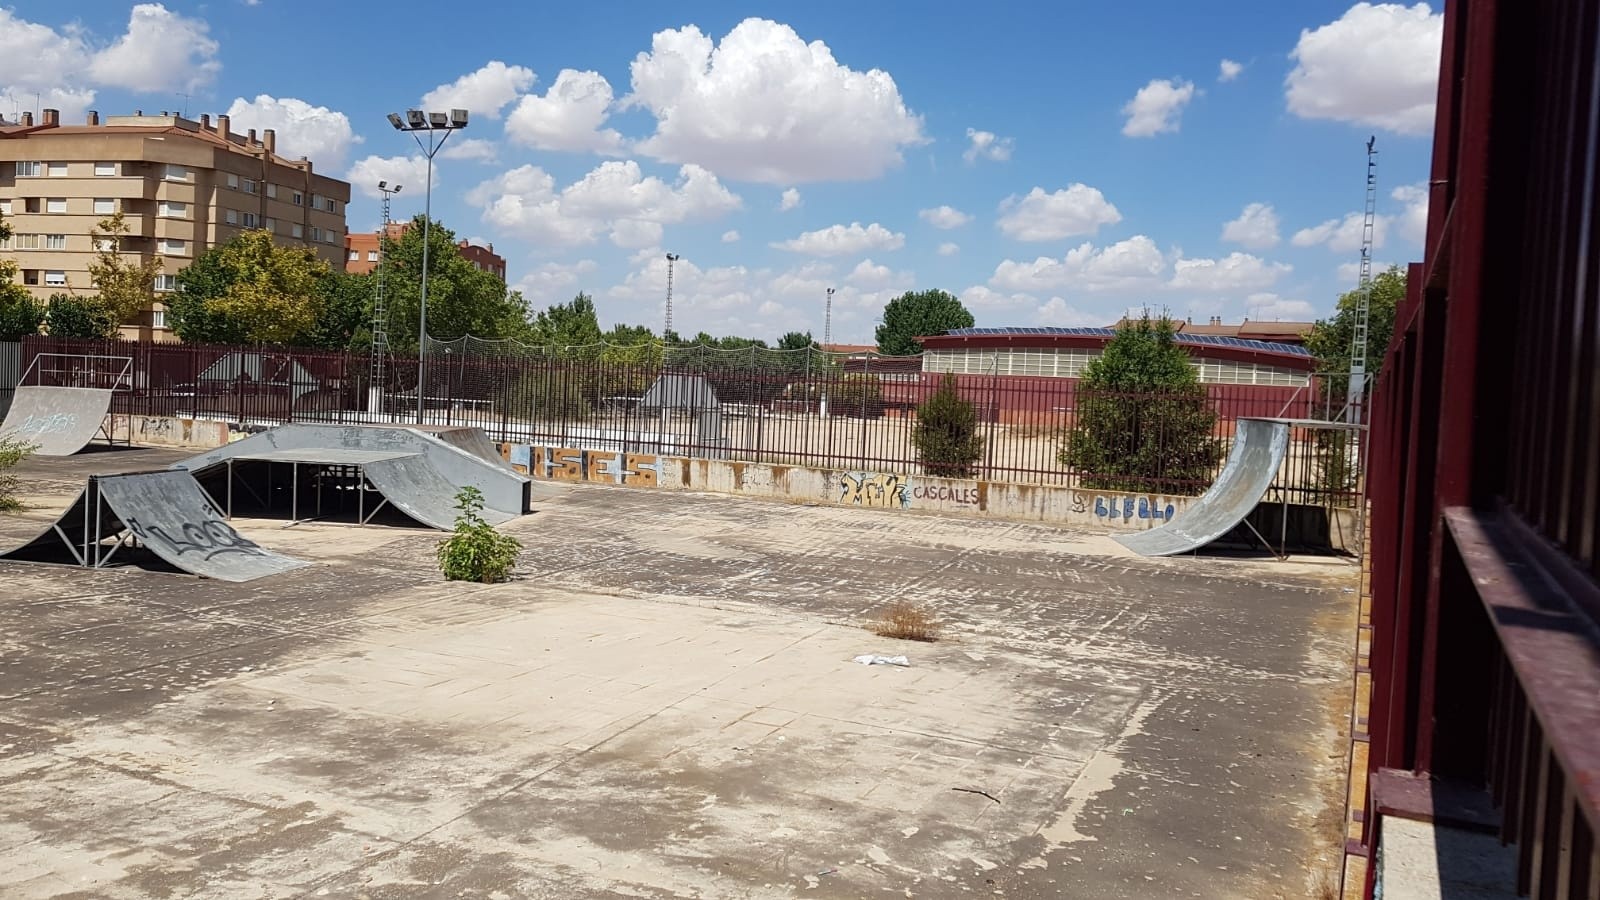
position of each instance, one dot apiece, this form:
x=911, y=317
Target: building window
x=105, y=245
x=249, y=185
x=55, y=278
x=296, y=230
x=170, y=246
x=176, y=173
x=55, y=205
x=332, y=205
x=372, y=256
x=103, y=169
x=233, y=181
x=316, y=233
x=270, y=225
x=251, y=220
x=29, y=168
x=30, y=205
x=104, y=206
x=56, y=169
x=298, y=199
x=272, y=191
x=173, y=209
x=355, y=255
x=5, y=207
x=30, y=276
x=166, y=284
x=25, y=241
x=231, y=216
x=55, y=242
x=158, y=317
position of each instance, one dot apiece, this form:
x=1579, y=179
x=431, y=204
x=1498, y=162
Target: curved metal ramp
x=166, y=512
x=58, y=421
x=412, y=484
x=1259, y=446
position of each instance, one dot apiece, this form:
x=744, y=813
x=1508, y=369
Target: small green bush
x=946, y=434
x=476, y=552
x=11, y=453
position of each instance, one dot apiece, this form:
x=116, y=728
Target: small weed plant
x=11, y=453
x=476, y=552
x=905, y=621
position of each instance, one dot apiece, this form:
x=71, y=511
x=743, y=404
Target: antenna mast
x=1358, y=338
x=671, y=258
x=380, y=309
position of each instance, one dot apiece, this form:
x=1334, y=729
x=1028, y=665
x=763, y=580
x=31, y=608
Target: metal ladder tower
x=1357, y=389
x=671, y=258
x=380, y=308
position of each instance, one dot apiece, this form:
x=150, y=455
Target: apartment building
x=361, y=252
x=181, y=185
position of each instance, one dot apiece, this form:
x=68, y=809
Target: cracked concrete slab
x=664, y=704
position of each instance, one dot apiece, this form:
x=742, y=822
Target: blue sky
x=1052, y=164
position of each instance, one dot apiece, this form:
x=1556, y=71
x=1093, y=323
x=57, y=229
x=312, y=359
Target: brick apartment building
x=181, y=185
x=361, y=252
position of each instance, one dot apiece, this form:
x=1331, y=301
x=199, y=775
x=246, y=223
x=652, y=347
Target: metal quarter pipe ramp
x=1259, y=446
x=58, y=421
x=165, y=512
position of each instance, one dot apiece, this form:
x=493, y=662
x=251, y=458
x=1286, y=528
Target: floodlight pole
x=441, y=125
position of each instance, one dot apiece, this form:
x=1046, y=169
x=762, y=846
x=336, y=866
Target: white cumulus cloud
x=1342, y=235
x=1070, y=212
x=1269, y=307
x=789, y=200
x=315, y=132
x=554, y=282
x=844, y=240
x=987, y=145
x=160, y=51
x=569, y=116
x=730, y=237
x=763, y=105
x=945, y=217
x=474, y=149
x=1157, y=107
x=406, y=171
x=1130, y=264
x=482, y=93
x=1228, y=70
x=949, y=248
x=1256, y=228
x=615, y=197
x=1231, y=274
x=1376, y=65
x=1414, y=213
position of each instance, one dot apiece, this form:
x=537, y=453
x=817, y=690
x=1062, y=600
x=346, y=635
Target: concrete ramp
x=472, y=440
x=449, y=467
x=165, y=512
x=1259, y=446
x=58, y=421
x=412, y=484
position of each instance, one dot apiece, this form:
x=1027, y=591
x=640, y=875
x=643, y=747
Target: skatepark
x=662, y=701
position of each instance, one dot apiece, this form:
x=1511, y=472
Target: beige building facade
x=181, y=185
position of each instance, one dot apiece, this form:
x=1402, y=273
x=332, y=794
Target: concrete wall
x=166, y=431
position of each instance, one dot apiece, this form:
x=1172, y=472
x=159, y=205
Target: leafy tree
x=345, y=321
x=1330, y=339
x=946, y=434
x=1144, y=421
x=919, y=313
x=250, y=290
x=462, y=299
x=475, y=551
x=20, y=314
x=126, y=289
x=797, y=340
x=71, y=316
x=573, y=324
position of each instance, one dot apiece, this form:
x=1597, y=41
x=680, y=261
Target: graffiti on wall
x=573, y=464
x=1129, y=508
x=961, y=496
x=876, y=489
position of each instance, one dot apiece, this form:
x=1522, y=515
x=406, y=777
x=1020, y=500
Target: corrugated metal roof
x=1204, y=340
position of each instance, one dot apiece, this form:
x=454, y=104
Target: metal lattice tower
x=827, y=322
x=1358, y=338
x=380, y=309
x=671, y=258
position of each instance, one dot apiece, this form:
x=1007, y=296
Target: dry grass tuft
x=907, y=621
x=1326, y=885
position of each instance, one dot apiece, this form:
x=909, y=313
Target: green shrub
x=11, y=453
x=946, y=434
x=70, y=316
x=476, y=552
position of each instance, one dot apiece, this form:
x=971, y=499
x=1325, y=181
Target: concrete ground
x=663, y=704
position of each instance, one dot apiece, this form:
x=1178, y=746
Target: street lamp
x=438, y=125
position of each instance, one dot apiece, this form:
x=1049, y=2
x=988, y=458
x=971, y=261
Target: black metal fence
x=799, y=408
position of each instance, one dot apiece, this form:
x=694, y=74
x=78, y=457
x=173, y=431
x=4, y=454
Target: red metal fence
x=1485, y=476
x=803, y=409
